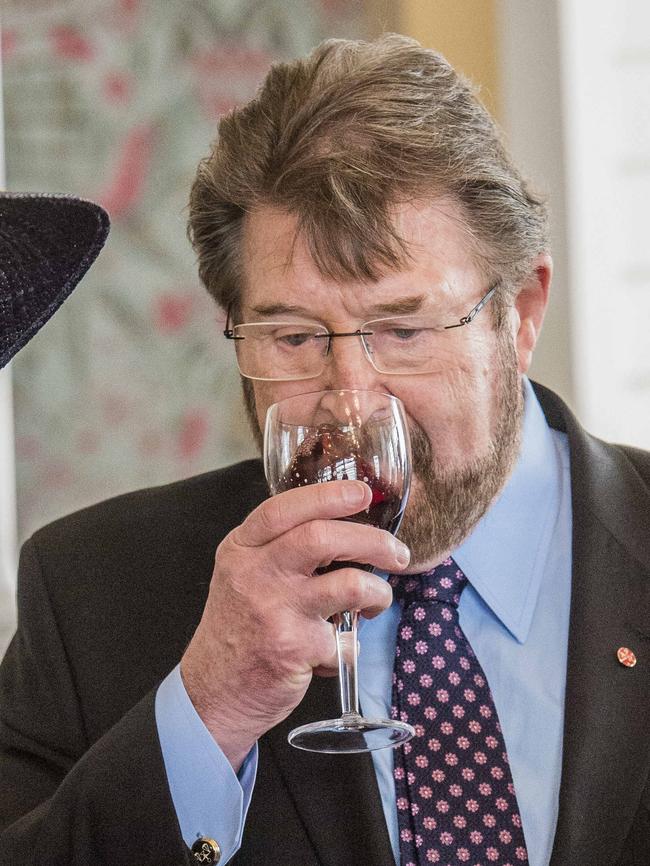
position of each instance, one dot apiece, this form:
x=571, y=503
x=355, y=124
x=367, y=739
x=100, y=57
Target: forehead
x=278, y=268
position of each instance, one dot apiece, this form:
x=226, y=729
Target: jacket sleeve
x=64, y=799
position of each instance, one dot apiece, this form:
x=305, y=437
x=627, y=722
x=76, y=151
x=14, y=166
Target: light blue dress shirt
x=515, y=614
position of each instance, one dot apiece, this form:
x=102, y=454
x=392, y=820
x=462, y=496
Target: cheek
x=267, y=393
x=467, y=381
x=467, y=361
x=454, y=408
x=473, y=378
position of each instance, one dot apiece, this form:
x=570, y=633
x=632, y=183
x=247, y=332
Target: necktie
x=456, y=802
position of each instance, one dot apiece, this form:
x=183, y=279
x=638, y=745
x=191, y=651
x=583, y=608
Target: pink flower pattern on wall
x=131, y=383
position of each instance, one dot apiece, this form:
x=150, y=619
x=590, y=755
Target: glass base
x=350, y=734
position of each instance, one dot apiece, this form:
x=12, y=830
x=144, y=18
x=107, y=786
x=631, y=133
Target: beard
x=447, y=503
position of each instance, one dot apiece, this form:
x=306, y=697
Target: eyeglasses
x=289, y=351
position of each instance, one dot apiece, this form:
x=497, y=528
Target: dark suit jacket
x=109, y=598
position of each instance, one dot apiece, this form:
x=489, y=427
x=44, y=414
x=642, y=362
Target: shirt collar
x=505, y=554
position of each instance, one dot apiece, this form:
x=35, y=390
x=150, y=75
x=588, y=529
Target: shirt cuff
x=209, y=799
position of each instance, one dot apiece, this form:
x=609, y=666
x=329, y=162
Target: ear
x=529, y=308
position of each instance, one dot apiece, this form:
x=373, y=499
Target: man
x=364, y=185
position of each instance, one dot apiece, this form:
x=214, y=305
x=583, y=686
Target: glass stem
x=346, y=636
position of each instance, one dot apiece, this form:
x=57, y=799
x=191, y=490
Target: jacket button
x=206, y=850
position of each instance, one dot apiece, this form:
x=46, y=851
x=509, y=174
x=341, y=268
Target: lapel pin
x=626, y=657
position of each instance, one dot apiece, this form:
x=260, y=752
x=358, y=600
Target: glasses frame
x=229, y=334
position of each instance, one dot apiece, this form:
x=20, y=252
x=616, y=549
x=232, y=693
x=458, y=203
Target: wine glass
x=337, y=435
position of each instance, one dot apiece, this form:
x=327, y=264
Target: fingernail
x=402, y=553
x=355, y=493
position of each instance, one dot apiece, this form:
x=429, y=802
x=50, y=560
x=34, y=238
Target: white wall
x=531, y=107
x=576, y=96
x=606, y=95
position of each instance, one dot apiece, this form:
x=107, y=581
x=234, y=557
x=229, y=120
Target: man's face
x=464, y=418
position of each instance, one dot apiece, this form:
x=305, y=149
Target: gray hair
x=341, y=137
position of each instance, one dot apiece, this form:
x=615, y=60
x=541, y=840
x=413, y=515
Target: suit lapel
x=336, y=796
x=606, y=753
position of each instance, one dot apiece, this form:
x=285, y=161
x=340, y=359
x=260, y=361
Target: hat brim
x=47, y=243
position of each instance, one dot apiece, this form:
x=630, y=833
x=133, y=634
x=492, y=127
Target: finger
x=330, y=667
x=322, y=671
x=345, y=589
x=283, y=512
x=322, y=653
x=346, y=646
x=315, y=544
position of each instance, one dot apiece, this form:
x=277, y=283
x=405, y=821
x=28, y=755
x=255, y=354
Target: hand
x=264, y=630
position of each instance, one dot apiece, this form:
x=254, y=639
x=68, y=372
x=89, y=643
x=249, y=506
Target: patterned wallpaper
x=131, y=384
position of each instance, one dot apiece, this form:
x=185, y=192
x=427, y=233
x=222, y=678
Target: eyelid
x=413, y=319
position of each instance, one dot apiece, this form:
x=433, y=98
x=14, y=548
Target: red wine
x=335, y=455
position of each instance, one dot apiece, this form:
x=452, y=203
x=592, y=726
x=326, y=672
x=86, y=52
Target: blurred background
x=131, y=384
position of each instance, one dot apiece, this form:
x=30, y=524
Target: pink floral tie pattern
x=456, y=801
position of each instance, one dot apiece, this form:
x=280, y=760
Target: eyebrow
x=402, y=306
x=279, y=309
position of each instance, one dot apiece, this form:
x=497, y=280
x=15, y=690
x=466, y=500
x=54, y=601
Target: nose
x=347, y=366
x=352, y=408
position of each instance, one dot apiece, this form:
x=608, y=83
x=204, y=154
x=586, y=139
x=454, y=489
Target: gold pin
x=626, y=657
x=206, y=851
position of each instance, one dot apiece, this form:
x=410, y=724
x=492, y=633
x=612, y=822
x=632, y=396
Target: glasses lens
x=280, y=350
x=408, y=345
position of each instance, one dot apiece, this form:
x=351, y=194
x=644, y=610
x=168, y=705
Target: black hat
x=47, y=243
